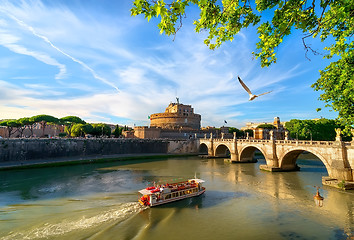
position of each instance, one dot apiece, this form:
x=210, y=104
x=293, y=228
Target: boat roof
x=197, y=180
x=148, y=192
x=145, y=192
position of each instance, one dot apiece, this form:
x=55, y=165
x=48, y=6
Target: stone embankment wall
x=34, y=149
x=185, y=146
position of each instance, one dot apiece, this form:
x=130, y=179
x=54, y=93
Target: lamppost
x=318, y=198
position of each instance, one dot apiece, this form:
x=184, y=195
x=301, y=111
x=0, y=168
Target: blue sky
x=92, y=59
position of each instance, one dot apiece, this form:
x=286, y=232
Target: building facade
x=279, y=131
x=147, y=132
x=50, y=130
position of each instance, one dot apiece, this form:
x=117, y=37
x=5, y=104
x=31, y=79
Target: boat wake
x=50, y=230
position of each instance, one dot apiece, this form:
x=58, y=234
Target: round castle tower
x=176, y=116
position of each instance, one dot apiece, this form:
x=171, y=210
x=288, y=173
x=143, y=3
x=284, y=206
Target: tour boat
x=166, y=193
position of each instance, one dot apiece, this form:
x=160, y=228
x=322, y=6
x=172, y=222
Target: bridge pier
x=341, y=173
x=278, y=169
x=236, y=160
x=211, y=147
x=234, y=157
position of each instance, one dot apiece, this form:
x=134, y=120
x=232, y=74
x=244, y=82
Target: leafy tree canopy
x=77, y=130
x=9, y=123
x=87, y=128
x=249, y=131
x=101, y=129
x=25, y=121
x=321, y=130
x=3, y=123
x=44, y=118
x=239, y=133
x=330, y=20
x=71, y=119
x=117, y=131
x=266, y=126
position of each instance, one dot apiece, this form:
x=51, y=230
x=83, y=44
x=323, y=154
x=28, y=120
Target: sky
x=92, y=59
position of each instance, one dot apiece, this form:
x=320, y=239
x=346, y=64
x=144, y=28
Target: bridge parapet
x=254, y=140
x=295, y=142
x=223, y=139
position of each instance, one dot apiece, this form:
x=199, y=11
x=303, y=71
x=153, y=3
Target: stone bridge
x=281, y=155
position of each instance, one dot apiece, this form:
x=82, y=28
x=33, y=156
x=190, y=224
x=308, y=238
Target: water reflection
x=98, y=201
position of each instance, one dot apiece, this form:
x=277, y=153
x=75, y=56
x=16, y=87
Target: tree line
x=74, y=126
x=318, y=130
x=241, y=133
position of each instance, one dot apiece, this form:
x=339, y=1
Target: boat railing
x=171, y=185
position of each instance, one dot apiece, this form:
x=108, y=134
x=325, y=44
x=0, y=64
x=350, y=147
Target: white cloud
x=27, y=12
x=87, y=46
x=10, y=41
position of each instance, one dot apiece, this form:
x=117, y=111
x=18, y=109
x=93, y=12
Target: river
x=99, y=201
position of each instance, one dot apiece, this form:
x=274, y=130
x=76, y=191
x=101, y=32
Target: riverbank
x=28, y=153
x=54, y=162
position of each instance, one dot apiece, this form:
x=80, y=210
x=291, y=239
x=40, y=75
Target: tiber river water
x=99, y=201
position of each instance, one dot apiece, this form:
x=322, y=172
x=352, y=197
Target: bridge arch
x=281, y=155
x=247, y=153
x=203, y=149
x=288, y=160
x=222, y=150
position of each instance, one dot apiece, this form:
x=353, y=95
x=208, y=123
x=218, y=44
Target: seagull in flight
x=252, y=96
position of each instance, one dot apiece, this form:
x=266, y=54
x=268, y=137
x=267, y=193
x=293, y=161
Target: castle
x=178, y=121
x=176, y=116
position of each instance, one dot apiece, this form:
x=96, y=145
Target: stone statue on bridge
x=286, y=135
x=338, y=137
x=271, y=133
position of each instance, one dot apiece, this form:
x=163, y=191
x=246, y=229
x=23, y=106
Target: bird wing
x=264, y=93
x=244, y=85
